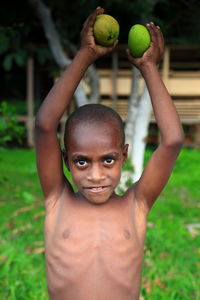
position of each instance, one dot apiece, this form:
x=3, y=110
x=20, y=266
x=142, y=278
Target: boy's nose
x=96, y=174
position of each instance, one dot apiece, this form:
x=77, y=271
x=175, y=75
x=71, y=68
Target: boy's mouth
x=97, y=189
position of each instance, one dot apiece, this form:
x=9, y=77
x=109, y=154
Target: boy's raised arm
x=160, y=165
x=48, y=152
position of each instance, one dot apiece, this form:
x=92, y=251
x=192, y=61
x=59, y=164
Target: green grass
x=22, y=274
x=172, y=253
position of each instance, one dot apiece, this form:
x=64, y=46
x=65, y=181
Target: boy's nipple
x=66, y=234
x=127, y=234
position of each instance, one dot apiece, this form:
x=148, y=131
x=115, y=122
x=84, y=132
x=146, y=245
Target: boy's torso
x=94, y=252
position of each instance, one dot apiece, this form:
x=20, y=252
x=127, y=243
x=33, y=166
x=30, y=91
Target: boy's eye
x=81, y=163
x=109, y=161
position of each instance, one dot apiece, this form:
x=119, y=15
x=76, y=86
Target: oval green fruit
x=106, y=30
x=139, y=40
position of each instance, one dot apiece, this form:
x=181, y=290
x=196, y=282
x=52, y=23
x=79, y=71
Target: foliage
x=172, y=251
x=10, y=129
x=21, y=34
x=10, y=38
x=179, y=20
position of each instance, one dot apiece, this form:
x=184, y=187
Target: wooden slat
x=123, y=83
x=189, y=113
x=187, y=87
x=184, y=74
x=179, y=84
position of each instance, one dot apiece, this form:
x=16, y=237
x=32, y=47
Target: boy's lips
x=97, y=189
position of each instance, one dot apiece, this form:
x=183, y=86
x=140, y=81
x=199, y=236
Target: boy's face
x=95, y=156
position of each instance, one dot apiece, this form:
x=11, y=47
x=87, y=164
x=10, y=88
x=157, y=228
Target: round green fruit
x=106, y=30
x=139, y=40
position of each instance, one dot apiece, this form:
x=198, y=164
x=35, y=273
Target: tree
x=139, y=114
x=21, y=36
x=59, y=54
x=140, y=109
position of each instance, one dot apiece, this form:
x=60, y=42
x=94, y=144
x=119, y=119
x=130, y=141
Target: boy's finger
x=128, y=54
x=151, y=28
x=110, y=48
x=130, y=57
x=160, y=40
x=114, y=45
x=91, y=19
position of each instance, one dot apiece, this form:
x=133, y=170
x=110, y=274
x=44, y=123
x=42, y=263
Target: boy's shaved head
x=94, y=114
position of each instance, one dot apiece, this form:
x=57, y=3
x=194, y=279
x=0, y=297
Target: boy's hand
x=87, y=37
x=155, y=52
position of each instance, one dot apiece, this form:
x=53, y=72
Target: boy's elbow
x=179, y=141
x=176, y=142
x=41, y=125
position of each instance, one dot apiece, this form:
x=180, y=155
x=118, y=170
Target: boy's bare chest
x=86, y=235
x=87, y=246
x=98, y=228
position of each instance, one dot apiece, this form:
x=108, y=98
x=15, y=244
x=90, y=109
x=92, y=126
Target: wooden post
x=166, y=66
x=197, y=135
x=114, y=79
x=30, y=103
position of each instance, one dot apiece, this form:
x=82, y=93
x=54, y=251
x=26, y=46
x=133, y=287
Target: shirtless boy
x=94, y=238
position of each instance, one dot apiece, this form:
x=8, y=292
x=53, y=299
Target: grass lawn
x=172, y=249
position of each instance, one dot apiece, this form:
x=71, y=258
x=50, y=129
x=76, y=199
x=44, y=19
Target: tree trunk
x=141, y=114
x=132, y=109
x=91, y=75
x=140, y=134
x=94, y=84
x=55, y=45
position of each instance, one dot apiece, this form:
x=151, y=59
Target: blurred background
x=38, y=39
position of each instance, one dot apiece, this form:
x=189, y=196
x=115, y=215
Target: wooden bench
x=188, y=110
x=182, y=79
x=184, y=88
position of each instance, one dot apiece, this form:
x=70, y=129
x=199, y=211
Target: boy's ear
x=125, y=153
x=65, y=158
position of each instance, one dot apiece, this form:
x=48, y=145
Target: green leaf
x=4, y=42
x=20, y=57
x=27, y=197
x=43, y=55
x=8, y=61
x=9, y=127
